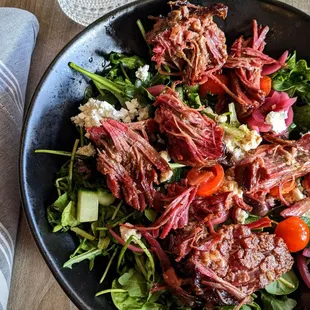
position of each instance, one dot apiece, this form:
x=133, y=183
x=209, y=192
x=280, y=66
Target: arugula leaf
x=287, y=284
x=251, y=218
x=150, y=215
x=274, y=303
x=130, y=62
x=102, y=83
x=91, y=254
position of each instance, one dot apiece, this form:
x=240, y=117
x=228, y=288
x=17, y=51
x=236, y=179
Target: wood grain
x=33, y=286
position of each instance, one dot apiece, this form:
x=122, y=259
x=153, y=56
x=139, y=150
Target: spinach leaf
x=68, y=217
x=286, y=284
x=176, y=176
x=134, y=283
x=61, y=202
x=251, y=306
x=274, y=303
x=124, y=301
x=54, y=211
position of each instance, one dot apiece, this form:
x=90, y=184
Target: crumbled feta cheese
x=277, y=120
x=239, y=147
x=165, y=176
x=241, y=216
x=143, y=114
x=222, y=118
x=165, y=155
x=294, y=196
x=142, y=72
x=230, y=185
x=86, y=150
x=133, y=107
x=307, y=214
x=126, y=233
x=94, y=111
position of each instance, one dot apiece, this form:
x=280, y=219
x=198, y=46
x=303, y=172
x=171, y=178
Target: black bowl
x=58, y=95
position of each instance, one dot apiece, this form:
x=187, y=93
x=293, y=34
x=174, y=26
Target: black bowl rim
x=26, y=207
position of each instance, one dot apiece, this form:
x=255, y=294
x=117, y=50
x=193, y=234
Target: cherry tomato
x=295, y=233
x=265, y=84
x=285, y=188
x=209, y=180
x=212, y=87
x=196, y=176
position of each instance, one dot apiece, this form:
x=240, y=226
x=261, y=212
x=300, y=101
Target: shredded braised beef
x=297, y=209
x=193, y=138
x=129, y=162
x=273, y=165
x=239, y=263
x=223, y=268
x=189, y=42
x=246, y=61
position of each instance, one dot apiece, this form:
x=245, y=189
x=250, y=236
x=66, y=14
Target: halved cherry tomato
x=295, y=233
x=265, y=84
x=196, y=176
x=209, y=179
x=285, y=189
x=212, y=87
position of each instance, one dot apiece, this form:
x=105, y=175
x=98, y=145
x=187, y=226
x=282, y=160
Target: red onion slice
x=285, y=104
x=156, y=90
x=306, y=252
x=290, y=116
x=122, y=242
x=303, y=269
x=258, y=116
x=223, y=218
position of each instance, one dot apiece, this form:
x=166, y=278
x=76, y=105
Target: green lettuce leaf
x=274, y=303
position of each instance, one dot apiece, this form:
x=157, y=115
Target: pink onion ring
x=269, y=69
x=285, y=104
x=303, y=269
x=306, y=252
x=223, y=218
x=262, y=127
x=156, y=90
x=290, y=116
x=122, y=242
x=258, y=116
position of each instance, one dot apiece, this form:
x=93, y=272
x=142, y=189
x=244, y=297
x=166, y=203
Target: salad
x=190, y=174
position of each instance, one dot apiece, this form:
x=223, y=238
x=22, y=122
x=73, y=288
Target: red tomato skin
x=212, y=87
x=295, y=233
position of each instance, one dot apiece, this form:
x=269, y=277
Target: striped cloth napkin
x=18, y=31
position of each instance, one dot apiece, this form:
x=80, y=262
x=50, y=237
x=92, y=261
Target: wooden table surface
x=33, y=286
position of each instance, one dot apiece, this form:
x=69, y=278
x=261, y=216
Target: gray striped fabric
x=18, y=31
